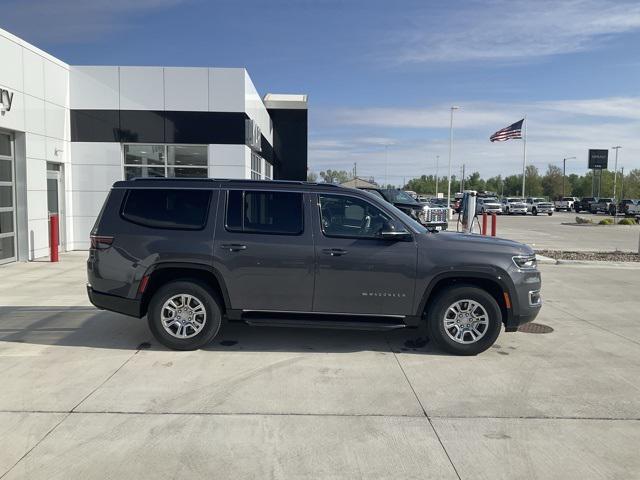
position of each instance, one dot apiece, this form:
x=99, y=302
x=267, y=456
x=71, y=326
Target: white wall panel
x=34, y=115
x=35, y=146
x=255, y=108
x=38, y=231
x=56, y=84
x=95, y=153
x=57, y=119
x=226, y=89
x=95, y=178
x=94, y=88
x=88, y=204
x=141, y=88
x=11, y=64
x=230, y=155
x=81, y=229
x=186, y=89
x=37, y=204
x=36, y=179
x=33, y=74
x=57, y=150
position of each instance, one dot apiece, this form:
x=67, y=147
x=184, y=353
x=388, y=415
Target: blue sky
x=385, y=73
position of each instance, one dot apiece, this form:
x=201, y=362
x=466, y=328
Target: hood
x=469, y=242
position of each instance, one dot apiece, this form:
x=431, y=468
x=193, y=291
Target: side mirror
x=399, y=235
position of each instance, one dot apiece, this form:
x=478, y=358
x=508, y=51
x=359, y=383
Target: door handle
x=334, y=252
x=233, y=247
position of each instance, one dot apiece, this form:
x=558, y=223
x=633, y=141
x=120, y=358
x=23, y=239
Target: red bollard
x=484, y=223
x=494, y=224
x=53, y=236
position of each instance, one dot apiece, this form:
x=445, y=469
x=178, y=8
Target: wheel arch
x=495, y=285
x=161, y=273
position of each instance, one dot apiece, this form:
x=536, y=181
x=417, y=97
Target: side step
x=337, y=324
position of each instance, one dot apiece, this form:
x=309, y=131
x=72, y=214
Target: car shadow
x=92, y=328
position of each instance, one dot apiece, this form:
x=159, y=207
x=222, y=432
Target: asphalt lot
x=89, y=394
x=559, y=232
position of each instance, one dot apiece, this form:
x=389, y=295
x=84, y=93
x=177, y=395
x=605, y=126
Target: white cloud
x=513, y=30
x=556, y=129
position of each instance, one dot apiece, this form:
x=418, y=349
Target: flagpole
x=524, y=155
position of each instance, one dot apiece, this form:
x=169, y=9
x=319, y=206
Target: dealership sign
x=253, y=135
x=6, y=99
x=598, y=159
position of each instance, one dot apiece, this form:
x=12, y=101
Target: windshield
x=490, y=200
x=565, y=199
x=606, y=200
x=398, y=196
x=539, y=199
x=512, y=200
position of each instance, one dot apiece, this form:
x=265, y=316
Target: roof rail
x=232, y=180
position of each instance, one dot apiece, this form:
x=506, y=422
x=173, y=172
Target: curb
x=542, y=260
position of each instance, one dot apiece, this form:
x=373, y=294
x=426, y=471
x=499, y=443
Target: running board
x=337, y=324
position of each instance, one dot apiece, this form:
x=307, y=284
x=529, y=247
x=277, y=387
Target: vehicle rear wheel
x=550, y=213
x=184, y=315
x=464, y=320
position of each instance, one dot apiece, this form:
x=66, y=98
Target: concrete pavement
x=89, y=394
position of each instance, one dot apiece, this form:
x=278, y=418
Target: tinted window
x=175, y=209
x=351, y=217
x=254, y=211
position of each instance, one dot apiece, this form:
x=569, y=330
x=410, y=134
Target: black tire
x=550, y=213
x=534, y=211
x=438, y=308
x=210, y=302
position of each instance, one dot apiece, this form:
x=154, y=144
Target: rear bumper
x=113, y=303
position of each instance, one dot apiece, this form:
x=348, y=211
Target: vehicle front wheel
x=184, y=315
x=550, y=213
x=534, y=211
x=464, y=320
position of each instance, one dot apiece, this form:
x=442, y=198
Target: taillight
x=101, y=242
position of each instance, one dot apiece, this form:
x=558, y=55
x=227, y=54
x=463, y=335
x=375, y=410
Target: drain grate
x=535, y=328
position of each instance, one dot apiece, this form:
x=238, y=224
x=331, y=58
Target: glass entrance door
x=7, y=200
x=55, y=197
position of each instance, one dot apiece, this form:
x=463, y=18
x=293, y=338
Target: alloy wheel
x=183, y=316
x=466, y=321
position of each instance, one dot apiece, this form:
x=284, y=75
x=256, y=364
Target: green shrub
x=605, y=221
x=627, y=221
x=581, y=220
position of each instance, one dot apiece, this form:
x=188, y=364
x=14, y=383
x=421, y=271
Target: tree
x=312, y=176
x=552, y=182
x=335, y=176
x=533, y=186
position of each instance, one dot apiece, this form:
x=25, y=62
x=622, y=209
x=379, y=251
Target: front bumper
x=528, y=301
x=114, y=303
x=517, y=209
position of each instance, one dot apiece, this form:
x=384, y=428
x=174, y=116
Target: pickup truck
x=565, y=203
x=584, y=204
x=602, y=205
x=537, y=205
x=625, y=207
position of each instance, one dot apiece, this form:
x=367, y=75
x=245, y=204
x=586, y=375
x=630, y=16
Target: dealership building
x=68, y=132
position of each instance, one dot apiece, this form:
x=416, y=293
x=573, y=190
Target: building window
x=165, y=161
x=268, y=171
x=256, y=166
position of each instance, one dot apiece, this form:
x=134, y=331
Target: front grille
x=434, y=215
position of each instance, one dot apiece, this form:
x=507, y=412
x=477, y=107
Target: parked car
x=511, y=206
x=622, y=207
x=488, y=205
x=432, y=218
x=413, y=194
x=537, y=205
x=565, y=203
x=602, y=205
x=633, y=209
x=584, y=204
x=188, y=253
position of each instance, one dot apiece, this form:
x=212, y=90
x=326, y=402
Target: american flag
x=507, y=133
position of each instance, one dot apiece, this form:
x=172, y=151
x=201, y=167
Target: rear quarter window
x=167, y=208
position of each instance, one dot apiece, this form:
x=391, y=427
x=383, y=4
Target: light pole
x=615, y=172
x=437, y=161
x=564, y=170
x=450, y=155
x=386, y=164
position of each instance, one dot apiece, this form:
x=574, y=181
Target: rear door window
x=255, y=211
x=167, y=208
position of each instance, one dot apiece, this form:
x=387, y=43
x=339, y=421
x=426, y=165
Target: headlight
x=525, y=262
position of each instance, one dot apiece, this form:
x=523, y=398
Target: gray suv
x=190, y=253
